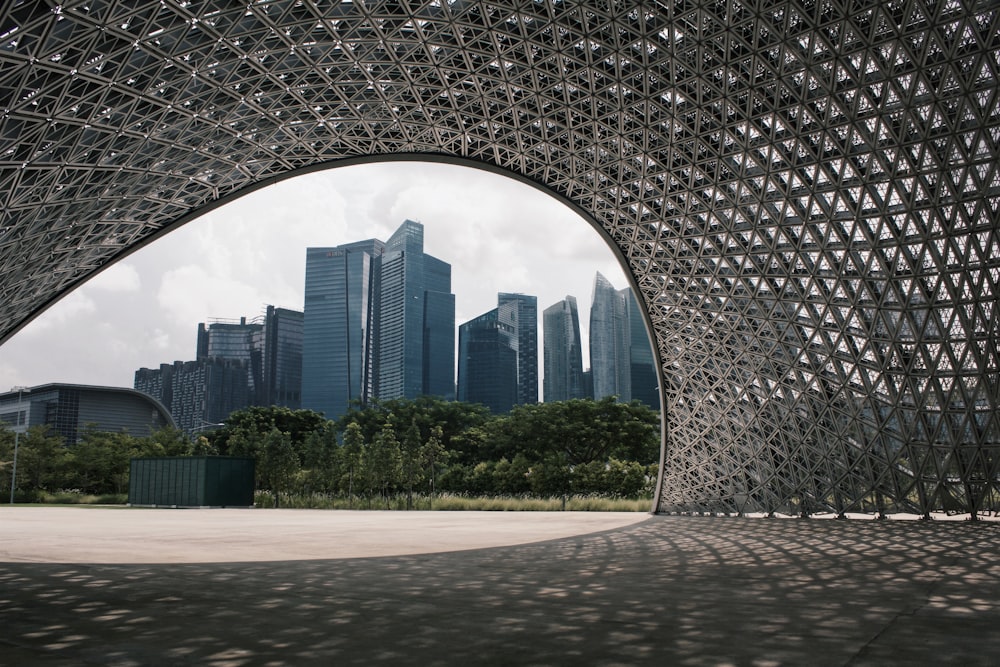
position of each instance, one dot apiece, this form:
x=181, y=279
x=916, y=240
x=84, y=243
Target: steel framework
x=806, y=192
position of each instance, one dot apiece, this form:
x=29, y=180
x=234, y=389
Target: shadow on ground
x=668, y=591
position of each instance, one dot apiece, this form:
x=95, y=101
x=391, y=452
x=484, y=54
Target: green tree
x=433, y=455
x=278, y=463
x=578, y=431
x=383, y=463
x=173, y=442
x=101, y=461
x=453, y=417
x=412, y=469
x=354, y=445
x=550, y=479
x=322, y=459
x=298, y=424
x=42, y=461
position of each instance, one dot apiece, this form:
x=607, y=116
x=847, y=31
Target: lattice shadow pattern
x=806, y=193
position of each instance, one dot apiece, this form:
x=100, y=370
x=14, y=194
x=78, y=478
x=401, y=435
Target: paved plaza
x=82, y=586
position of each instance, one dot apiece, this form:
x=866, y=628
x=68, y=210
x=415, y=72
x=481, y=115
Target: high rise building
x=562, y=351
x=340, y=326
x=642, y=367
x=416, y=350
x=282, y=345
x=525, y=317
x=488, y=359
x=235, y=341
x=379, y=323
x=621, y=357
x=271, y=348
x=609, y=342
x=197, y=393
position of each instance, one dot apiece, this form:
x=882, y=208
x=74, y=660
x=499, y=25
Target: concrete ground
x=310, y=587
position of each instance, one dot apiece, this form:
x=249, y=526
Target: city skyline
x=499, y=234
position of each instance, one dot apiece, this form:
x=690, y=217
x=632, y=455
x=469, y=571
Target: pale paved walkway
x=134, y=535
x=664, y=591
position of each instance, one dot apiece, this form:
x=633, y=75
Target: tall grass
x=456, y=502
x=78, y=498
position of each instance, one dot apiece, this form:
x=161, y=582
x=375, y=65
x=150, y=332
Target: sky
x=498, y=234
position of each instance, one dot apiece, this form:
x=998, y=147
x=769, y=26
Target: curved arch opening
x=500, y=232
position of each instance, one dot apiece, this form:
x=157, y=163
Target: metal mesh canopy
x=806, y=193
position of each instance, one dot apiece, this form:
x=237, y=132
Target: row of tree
x=98, y=464
x=420, y=446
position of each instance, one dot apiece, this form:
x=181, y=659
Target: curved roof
x=806, y=194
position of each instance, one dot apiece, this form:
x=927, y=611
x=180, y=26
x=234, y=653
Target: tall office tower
x=488, y=359
x=641, y=360
x=236, y=341
x=340, y=326
x=282, y=345
x=562, y=351
x=197, y=393
x=526, y=324
x=416, y=351
x=609, y=342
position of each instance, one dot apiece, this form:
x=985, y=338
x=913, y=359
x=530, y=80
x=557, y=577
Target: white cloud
x=73, y=307
x=120, y=277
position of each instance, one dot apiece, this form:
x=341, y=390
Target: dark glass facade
x=283, y=336
x=621, y=357
x=417, y=320
x=642, y=366
x=609, y=342
x=236, y=341
x=487, y=359
x=525, y=316
x=340, y=326
x=563, y=352
x=379, y=323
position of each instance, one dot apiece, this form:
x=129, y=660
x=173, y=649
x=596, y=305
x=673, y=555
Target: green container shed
x=192, y=481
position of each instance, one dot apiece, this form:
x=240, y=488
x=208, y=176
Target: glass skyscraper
x=621, y=358
x=526, y=323
x=417, y=320
x=379, y=323
x=563, y=353
x=488, y=359
x=642, y=367
x=283, y=332
x=235, y=341
x=340, y=326
x=609, y=342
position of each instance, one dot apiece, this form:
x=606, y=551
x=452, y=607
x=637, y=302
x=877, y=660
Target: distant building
x=379, y=323
x=340, y=326
x=609, y=342
x=416, y=320
x=621, y=358
x=271, y=348
x=526, y=323
x=69, y=409
x=282, y=345
x=562, y=352
x=487, y=359
x=197, y=393
x=237, y=341
x=645, y=386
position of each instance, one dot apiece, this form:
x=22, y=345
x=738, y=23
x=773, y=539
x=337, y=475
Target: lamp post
x=13, y=475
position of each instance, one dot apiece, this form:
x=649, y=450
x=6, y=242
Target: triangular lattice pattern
x=807, y=193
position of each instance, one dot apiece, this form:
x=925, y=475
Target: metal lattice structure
x=805, y=192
